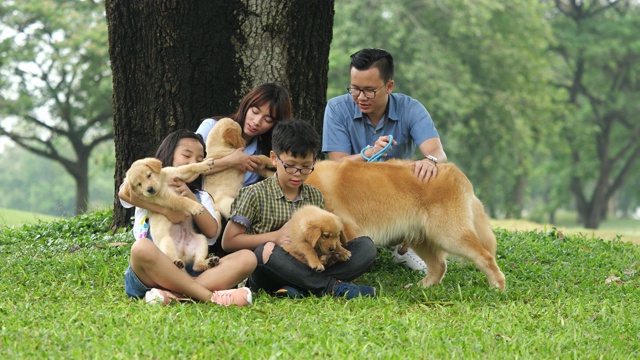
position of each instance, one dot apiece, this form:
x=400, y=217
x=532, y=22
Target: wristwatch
x=432, y=158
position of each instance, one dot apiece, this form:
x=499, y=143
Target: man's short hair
x=296, y=137
x=370, y=57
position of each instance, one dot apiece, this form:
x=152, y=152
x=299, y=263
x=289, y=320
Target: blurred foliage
x=55, y=78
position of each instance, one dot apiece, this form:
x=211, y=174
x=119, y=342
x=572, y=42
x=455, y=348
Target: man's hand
x=425, y=169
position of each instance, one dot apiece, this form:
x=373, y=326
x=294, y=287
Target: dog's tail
x=483, y=228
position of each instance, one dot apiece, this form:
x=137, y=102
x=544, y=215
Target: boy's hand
x=282, y=235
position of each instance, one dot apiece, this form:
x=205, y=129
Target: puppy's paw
x=179, y=263
x=317, y=267
x=213, y=261
x=343, y=255
x=197, y=209
x=209, y=163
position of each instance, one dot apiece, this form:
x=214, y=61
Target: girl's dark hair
x=379, y=58
x=280, y=107
x=168, y=147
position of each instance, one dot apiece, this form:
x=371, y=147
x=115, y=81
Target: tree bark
x=177, y=62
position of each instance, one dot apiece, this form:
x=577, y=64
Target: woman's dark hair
x=379, y=58
x=168, y=147
x=280, y=108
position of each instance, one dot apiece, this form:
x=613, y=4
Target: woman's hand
x=242, y=161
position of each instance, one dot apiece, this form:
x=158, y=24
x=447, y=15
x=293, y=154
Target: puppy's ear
x=343, y=238
x=232, y=137
x=126, y=189
x=155, y=165
x=312, y=235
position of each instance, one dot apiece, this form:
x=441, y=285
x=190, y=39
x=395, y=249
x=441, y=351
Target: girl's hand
x=181, y=188
x=175, y=216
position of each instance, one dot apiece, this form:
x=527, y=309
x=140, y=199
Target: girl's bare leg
x=231, y=270
x=155, y=269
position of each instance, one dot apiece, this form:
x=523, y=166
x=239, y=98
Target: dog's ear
x=232, y=137
x=126, y=189
x=154, y=164
x=312, y=235
x=343, y=238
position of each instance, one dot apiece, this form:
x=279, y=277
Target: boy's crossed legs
x=277, y=268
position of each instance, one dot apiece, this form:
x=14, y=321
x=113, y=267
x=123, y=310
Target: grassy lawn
x=567, y=297
x=10, y=217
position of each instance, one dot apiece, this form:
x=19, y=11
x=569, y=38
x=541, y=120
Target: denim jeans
x=284, y=269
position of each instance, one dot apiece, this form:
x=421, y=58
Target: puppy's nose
x=332, y=249
x=151, y=190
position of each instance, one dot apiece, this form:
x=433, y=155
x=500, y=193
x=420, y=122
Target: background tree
x=599, y=62
x=175, y=63
x=56, y=83
x=33, y=183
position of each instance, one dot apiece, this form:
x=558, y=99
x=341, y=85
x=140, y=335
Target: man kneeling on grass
x=259, y=218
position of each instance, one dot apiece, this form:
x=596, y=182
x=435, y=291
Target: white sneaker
x=410, y=259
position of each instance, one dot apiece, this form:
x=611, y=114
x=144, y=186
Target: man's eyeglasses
x=293, y=170
x=369, y=94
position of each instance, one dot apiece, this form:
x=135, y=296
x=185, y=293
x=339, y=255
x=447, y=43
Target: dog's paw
x=343, y=255
x=317, y=267
x=209, y=162
x=197, y=209
x=179, y=263
x=213, y=261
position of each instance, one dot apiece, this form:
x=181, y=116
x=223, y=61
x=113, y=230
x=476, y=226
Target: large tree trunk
x=177, y=62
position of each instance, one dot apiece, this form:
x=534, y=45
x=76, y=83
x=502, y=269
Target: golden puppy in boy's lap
x=180, y=242
x=224, y=139
x=386, y=201
x=317, y=238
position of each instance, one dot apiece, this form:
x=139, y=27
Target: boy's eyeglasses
x=369, y=94
x=293, y=170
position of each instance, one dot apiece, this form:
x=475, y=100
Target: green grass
x=10, y=217
x=62, y=296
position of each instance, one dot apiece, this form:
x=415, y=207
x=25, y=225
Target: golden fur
x=387, y=202
x=224, y=139
x=180, y=242
x=316, y=237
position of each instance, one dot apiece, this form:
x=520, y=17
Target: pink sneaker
x=239, y=297
x=163, y=297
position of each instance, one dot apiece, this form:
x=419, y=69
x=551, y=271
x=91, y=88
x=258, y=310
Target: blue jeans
x=284, y=269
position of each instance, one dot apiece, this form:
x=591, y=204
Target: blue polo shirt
x=345, y=129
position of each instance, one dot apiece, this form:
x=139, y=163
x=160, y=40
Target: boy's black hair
x=379, y=58
x=296, y=137
x=168, y=147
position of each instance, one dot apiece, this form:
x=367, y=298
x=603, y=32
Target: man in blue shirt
x=357, y=126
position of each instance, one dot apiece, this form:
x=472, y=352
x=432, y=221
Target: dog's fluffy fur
x=148, y=180
x=317, y=238
x=387, y=202
x=224, y=139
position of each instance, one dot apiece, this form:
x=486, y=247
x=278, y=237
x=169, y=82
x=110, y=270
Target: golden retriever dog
x=387, y=202
x=316, y=238
x=224, y=139
x=180, y=242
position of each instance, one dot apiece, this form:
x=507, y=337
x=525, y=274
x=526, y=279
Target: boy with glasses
x=259, y=218
x=357, y=126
